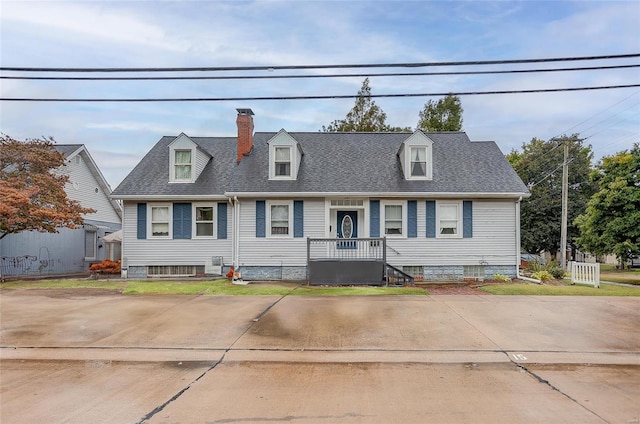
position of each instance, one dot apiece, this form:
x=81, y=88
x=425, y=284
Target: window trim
x=289, y=204
x=150, y=222
x=411, y=162
x=95, y=245
x=292, y=162
x=428, y=161
x=383, y=218
x=459, y=228
x=276, y=162
x=173, y=165
x=214, y=219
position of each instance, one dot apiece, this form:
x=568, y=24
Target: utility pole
x=565, y=206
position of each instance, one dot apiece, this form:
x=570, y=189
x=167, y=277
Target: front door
x=347, y=226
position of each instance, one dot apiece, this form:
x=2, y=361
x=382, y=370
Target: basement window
x=416, y=271
x=174, y=270
x=473, y=271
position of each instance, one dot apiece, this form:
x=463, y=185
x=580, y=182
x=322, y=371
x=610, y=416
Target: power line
x=605, y=128
x=282, y=67
x=620, y=141
x=550, y=173
x=602, y=111
x=290, y=76
x=323, y=97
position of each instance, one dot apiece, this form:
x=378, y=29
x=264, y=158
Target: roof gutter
x=161, y=197
x=412, y=194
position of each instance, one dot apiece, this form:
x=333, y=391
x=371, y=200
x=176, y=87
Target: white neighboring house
x=443, y=206
x=69, y=251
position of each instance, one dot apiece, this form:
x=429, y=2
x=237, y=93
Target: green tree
x=539, y=165
x=365, y=116
x=443, y=115
x=611, y=222
x=32, y=188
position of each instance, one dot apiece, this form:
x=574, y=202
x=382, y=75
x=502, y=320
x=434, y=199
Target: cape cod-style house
x=328, y=207
x=69, y=251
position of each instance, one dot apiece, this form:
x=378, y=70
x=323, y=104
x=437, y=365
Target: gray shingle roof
x=151, y=176
x=334, y=163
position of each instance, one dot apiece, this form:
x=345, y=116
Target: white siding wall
x=270, y=251
x=201, y=161
x=169, y=251
x=83, y=187
x=493, y=241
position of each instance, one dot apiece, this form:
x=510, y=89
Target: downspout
x=124, y=261
x=236, y=233
x=518, y=242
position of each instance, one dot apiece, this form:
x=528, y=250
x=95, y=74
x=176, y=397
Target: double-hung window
x=280, y=219
x=182, y=165
x=90, y=245
x=282, y=161
x=418, y=156
x=393, y=220
x=204, y=220
x=160, y=220
x=449, y=219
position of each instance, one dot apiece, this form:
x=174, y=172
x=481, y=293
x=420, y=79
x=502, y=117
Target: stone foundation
x=273, y=272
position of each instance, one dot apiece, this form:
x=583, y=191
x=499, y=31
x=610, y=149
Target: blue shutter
x=222, y=220
x=298, y=218
x=374, y=221
x=182, y=220
x=467, y=218
x=260, y=218
x=412, y=218
x=431, y=218
x=142, y=220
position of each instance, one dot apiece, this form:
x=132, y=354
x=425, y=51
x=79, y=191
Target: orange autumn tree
x=32, y=195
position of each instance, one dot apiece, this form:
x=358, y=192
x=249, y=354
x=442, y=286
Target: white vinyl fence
x=584, y=273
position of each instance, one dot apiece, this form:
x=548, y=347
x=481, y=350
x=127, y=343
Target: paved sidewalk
x=410, y=359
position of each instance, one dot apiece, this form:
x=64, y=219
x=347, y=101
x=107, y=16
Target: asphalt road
x=73, y=357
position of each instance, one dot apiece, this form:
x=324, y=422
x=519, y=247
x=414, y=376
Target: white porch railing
x=584, y=273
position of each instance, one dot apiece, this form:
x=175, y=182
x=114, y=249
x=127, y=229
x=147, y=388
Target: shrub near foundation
x=501, y=278
x=552, y=267
x=106, y=267
x=542, y=276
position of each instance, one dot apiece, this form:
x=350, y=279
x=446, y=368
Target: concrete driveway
x=68, y=358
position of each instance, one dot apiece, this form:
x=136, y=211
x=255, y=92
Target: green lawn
x=627, y=276
x=63, y=284
x=221, y=287
x=566, y=290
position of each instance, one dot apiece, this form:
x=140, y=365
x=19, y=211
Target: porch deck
x=354, y=261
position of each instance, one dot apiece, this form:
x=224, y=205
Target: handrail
x=405, y=277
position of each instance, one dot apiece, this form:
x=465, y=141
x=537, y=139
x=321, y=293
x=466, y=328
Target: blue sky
x=272, y=33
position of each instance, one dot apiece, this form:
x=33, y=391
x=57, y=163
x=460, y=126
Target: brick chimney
x=245, y=132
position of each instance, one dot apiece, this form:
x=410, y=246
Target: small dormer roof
x=419, y=137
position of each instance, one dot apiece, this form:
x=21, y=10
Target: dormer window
x=285, y=155
x=418, y=157
x=283, y=162
x=182, y=165
x=186, y=160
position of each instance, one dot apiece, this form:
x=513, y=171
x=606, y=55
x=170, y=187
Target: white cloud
x=155, y=34
x=91, y=20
